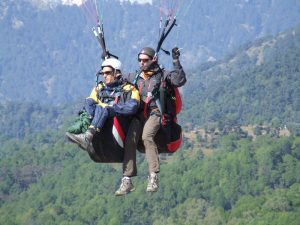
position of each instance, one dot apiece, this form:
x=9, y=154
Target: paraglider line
x=90, y=12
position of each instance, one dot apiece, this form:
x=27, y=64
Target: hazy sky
x=78, y=2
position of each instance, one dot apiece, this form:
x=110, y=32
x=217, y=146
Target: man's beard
x=150, y=65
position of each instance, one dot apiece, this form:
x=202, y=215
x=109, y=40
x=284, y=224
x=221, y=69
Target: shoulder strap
x=100, y=85
x=125, y=84
x=136, y=77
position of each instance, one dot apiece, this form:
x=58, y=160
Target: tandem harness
x=167, y=98
x=115, y=95
x=110, y=95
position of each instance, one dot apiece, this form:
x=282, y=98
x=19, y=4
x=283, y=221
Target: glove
x=175, y=53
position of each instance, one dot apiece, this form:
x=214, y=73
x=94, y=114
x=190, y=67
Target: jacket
x=149, y=82
x=121, y=98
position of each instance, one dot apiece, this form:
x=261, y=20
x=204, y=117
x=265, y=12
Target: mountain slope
x=52, y=56
x=259, y=83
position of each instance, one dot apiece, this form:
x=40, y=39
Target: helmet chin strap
x=118, y=76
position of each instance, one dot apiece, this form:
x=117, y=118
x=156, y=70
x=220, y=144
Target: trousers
x=130, y=147
x=151, y=127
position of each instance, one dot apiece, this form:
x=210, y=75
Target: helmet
x=113, y=63
x=148, y=51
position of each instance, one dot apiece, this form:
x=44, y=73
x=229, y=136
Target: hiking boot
x=125, y=187
x=152, y=182
x=83, y=140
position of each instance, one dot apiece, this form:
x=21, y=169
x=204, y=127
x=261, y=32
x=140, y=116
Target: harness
x=166, y=98
x=111, y=95
x=149, y=90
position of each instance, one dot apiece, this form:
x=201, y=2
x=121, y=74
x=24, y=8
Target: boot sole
x=125, y=193
x=152, y=191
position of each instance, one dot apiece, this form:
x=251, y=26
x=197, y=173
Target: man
x=148, y=82
x=111, y=98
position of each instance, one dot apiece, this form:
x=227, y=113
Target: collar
x=146, y=74
x=115, y=83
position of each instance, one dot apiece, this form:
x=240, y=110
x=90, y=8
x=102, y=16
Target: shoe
x=125, y=187
x=83, y=140
x=152, y=183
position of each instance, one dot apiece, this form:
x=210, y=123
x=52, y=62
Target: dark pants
x=90, y=107
x=101, y=115
x=97, y=112
x=132, y=138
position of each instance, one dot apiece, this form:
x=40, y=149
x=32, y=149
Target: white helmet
x=113, y=63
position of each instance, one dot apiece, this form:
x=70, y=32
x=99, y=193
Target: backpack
x=171, y=106
x=169, y=136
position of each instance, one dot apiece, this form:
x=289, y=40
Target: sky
x=78, y=2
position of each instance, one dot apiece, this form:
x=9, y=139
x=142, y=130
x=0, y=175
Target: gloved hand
x=175, y=53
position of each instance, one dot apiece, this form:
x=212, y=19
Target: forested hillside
x=259, y=83
x=19, y=119
x=45, y=180
x=46, y=55
x=240, y=158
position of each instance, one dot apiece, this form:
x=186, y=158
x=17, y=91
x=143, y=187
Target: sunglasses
x=144, y=60
x=107, y=72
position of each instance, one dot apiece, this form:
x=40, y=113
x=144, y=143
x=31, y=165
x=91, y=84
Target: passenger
x=101, y=105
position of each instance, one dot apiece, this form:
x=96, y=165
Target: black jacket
x=148, y=83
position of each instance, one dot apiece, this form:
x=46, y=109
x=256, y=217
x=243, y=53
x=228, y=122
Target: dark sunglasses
x=144, y=60
x=107, y=73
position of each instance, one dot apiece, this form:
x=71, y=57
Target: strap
x=146, y=106
x=117, y=128
x=136, y=77
x=162, y=96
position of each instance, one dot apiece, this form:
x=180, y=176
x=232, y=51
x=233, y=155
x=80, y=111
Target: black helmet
x=147, y=51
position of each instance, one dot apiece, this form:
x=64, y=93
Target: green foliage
x=46, y=180
x=81, y=124
x=19, y=119
x=260, y=83
x=50, y=181
x=56, y=62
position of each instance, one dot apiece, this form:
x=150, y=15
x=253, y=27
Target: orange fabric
x=147, y=74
